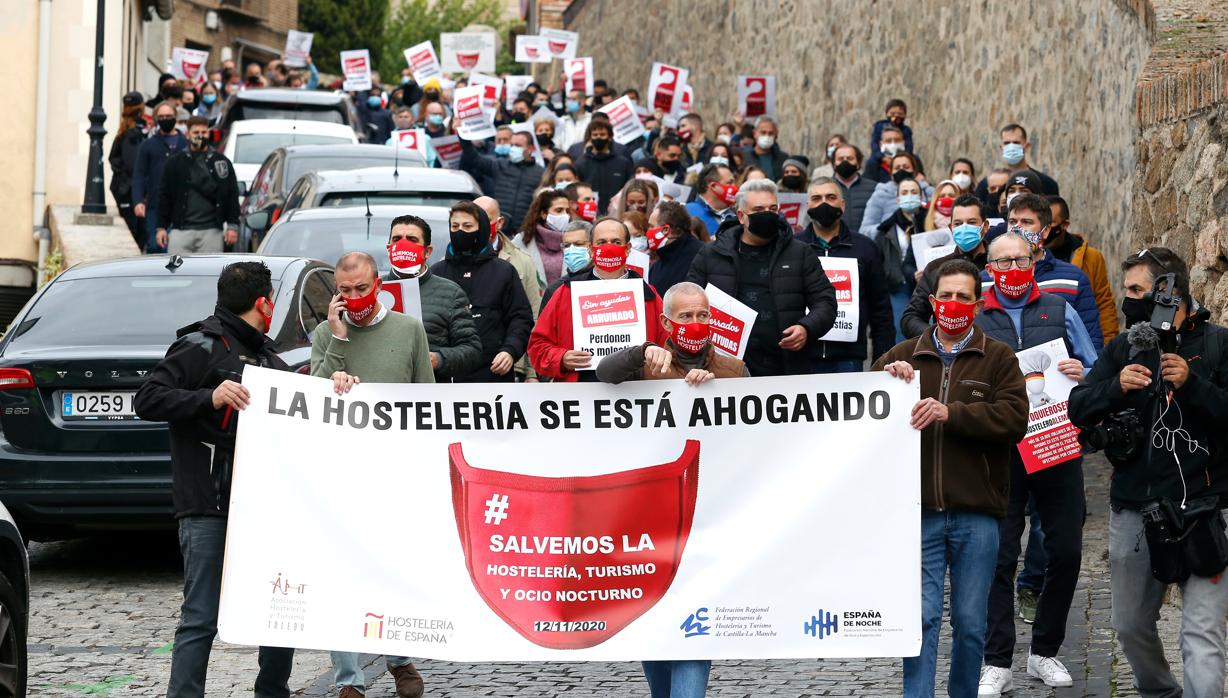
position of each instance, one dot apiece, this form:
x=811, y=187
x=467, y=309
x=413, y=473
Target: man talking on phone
x=363, y=341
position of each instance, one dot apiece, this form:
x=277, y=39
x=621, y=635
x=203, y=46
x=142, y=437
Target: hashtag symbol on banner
x=496, y=509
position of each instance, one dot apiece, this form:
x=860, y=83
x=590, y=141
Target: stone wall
x=1065, y=70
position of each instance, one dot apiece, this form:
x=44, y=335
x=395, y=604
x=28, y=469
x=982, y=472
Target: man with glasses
x=1018, y=313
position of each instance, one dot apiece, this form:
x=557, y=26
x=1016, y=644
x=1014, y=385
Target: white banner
x=607, y=315
x=1051, y=438
x=402, y=296
x=448, y=150
x=639, y=262
x=579, y=72
x=411, y=139
x=793, y=208
x=560, y=42
x=463, y=52
x=298, y=48
x=665, y=86
x=423, y=62
x=492, y=87
x=531, y=48
x=731, y=322
x=670, y=191
x=626, y=123
x=473, y=121
x=928, y=246
x=843, y=274
x=356, y=65
x=577, y=521
x=190, y=64
x=757, y=96
x=514, y=85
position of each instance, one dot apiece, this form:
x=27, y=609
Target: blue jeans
x=836, y=366
x=966, y=543
x=686, y=678
x=899, y=301
x=1034, y=560
x=202, y=539
x=348, y=672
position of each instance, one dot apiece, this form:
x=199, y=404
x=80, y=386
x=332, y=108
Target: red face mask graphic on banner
x=468, y=61
x=690, y=337
x=610, y=257
x=657, y=237
x=634, y=523
x=954, y=317
x=587, y=210
x=1014, y=283
x=359, y=309
x=406, y=257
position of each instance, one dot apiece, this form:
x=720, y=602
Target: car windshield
x=341, y=199
x=83, y=312
x=309, y=112
x=253, y=148
x=328, y=239
x=298, y=166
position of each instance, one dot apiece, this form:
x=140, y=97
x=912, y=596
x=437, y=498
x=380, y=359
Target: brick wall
x=262, y=21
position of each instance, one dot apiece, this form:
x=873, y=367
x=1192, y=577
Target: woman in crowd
x=895, y=247
x=939, y=215
x=827, y=169
x=963, y=173
x=541, y=233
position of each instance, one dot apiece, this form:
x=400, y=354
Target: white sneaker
x=995, y=681
x=1049, y=670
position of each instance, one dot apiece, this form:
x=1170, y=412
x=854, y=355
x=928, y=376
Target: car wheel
x=13, y=623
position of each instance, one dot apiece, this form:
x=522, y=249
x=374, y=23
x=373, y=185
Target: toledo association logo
x=373, y=627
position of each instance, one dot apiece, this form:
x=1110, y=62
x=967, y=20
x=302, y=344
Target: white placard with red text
x=1051, y=438
x=411, y=139
x=843, y=275
x=514, y=85
x=492, y=88
x=560, y=42
x=626, y=123
x=190, y=64
x=448, y=150
x=531, y=48
x=757, y=96
x=639, y=262
x=607, y=315
x=665, y=88
x=423, y=62
x=579, y=72
x=356, y=66
x=402, y=296
x=793, y=208
x=473, y=121
x=464, y=52
x=298, y=48
x=730, y=324
x=687, y=105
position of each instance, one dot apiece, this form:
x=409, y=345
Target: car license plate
x=97, y=405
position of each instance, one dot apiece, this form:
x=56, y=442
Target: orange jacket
x=1091, y=261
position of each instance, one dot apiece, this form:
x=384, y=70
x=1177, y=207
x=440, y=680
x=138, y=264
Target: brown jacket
x=628, y=364
x=1091, y=261
x=964, y=462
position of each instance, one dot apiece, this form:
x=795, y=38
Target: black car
x=14, y=607
x=286, y=103
x=286, y=164
x=73, y=455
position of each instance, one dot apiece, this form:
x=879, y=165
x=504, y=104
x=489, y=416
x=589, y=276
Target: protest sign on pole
x=928, y=246
x=665, y=85
x=189, y=64
x=411, y=139
x=757, y=96
x=607, y=315
x=730, y=324
x=473, y=122
x=843, y=274
x=531, y=48
x=356, y=65
x=298, y=48
x=1051, y=438
x=560, y=42
x=448, y=150
x=793, y=208
x=578, y=521
x=514, y=85
x=492, y=88
x=423, y=62
x=626, y=123
x=579, y=72
x=402, y=296
x=463, y=52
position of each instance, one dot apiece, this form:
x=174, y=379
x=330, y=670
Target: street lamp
x=95, y=201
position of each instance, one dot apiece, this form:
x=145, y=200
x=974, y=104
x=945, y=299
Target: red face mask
x=268, y=318
x=945, y=205
x=954, y=317
x=610, y=257
x=690, y=337
x=360, y=309
x=494, y=231
x=684, y=135
x=1014, y=283
x=657, y=237
x=727, y=192
x=587, y=210
x=406, y=257
x=634, y=517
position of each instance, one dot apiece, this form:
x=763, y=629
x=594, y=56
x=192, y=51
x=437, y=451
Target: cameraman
x=1177, y=394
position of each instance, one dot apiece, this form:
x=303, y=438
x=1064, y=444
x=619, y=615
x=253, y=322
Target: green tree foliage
x=341, y=25
x=416, y=21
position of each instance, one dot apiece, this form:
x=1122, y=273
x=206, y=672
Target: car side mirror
x=242, y=188
x=257, y=220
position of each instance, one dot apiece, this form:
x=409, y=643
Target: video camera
x=1165, y=301
x=1119, y=435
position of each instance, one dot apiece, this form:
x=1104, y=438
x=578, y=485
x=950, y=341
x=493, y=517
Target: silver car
x=412, y=186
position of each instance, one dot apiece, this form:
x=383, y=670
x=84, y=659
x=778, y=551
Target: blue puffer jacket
x=1070, y=283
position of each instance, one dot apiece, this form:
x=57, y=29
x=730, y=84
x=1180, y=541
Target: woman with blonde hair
x=942, y=205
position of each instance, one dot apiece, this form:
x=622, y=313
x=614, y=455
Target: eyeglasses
x=1004, y=263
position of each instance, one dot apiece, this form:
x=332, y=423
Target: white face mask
x=557, y=221
x=639, y=243
x=765, y=142
x=723, y=138
x=891, y=149
x=962, y=180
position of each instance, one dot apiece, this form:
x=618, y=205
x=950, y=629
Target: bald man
x=520, y=260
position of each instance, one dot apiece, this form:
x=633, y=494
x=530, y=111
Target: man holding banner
x=973, y=410
x=515, y=177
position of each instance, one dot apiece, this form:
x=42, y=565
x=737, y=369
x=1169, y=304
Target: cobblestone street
x=104, y=611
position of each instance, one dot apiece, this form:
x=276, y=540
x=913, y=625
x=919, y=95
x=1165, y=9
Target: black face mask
x=792, y=181
x=518, y=118
x=432, y=96
x=545, y=141
x=846, y=169
x=763, y=224
x=675, y=166
x=900, y=175
x=825, y=215
x=465, y=243
x=600, y=143
x=166, y=124
x=1136, y=310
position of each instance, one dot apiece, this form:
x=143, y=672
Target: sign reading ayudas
x=607, y=315
x=577, y=521
x=843, y=276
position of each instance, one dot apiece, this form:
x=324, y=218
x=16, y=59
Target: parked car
x=414, y=186
x=286, y=103
x=14, y=607
x=73, y=455
x=250, y=142
x=329, y=232
x=286, y=164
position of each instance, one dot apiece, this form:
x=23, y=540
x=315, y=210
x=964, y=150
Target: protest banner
x=843, y=274
x=492, y=88
x=513, y=86
x=1051, y=438
x=189, y=64
x=793, y=208
x=448, y=150
x=577, y=521
x=402, y=296
x=423, y=62
x=579, y=72
x=463, y=52
x=607, y=315
x=639, y=262
x=411, y=139
x=665, y=85
x=757, y=96
x=473, y=122
x=298, y=48
x=560, y=42
x=531, y=48
x=669, y=191
x=356, y=66
x=730, y=324
x=687, y=103
x=626, y=123
x=930, y=245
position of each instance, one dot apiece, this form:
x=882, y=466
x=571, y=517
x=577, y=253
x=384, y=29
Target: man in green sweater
x=364, y=341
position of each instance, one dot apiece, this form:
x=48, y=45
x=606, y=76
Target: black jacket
x=874, y=303
x=919, y=314
x=898, y=265
x=778, y=157
x=123, y=163
x=513, y=183
x=498, y=304
x=673, y=262
x=798, y=282
x=1202, y=403
x=173, y=193
x=855, y=199
x=1047, y=184
x=607, y=173
x=450, y=330
x=180, y=392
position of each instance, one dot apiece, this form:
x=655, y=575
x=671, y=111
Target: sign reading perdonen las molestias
x=743, y=518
